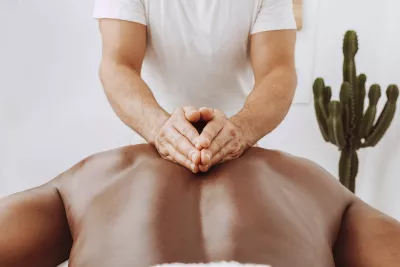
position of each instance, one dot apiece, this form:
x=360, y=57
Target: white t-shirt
x=197, y=51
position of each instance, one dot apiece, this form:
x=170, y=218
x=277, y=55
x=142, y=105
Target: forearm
x=131, y=99
x=268, y=104
x=34, y=229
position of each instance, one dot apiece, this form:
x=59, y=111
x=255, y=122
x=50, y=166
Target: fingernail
x=192, y=166
x=197, y=145
x=204, y=168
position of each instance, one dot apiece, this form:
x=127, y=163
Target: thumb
x=192, y=114
x=207, y=114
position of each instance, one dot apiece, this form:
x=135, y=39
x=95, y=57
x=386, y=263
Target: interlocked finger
x=213, y=128
x=179, y=158
x=230, y=151
x=217, y=145
x=186, y=129
x=182, y=145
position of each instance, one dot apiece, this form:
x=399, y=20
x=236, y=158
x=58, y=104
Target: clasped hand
x=182, y=140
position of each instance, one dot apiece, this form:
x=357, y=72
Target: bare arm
x=124, y=45
x=272, y=55
x=368, y=238
x=174, y=136
x=33, y=229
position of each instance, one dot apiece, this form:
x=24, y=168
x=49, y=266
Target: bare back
x=129, y=207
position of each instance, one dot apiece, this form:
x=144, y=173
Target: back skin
x=129, y=207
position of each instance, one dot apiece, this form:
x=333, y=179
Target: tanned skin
x=130, y=207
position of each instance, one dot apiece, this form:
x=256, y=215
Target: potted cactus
x=344, y=123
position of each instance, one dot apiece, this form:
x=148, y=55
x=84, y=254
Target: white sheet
x=212, y=264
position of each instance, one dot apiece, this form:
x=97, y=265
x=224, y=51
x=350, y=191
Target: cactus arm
x=345, y=92
x=319, y=105
x=385, y=118
x=367, y=123
x=335, y=126
x=350, y=49
x=331, y=133
x=361, y=80
x=327, y=98
x=322, y=120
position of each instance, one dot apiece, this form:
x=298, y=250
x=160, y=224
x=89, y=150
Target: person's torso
x=129, y=207
x=197, y=52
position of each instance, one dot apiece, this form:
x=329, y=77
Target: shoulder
x=303, y=172
x=100, y=167
x=116, y=159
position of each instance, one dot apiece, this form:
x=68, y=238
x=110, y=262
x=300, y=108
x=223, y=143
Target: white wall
x=377, y=24
x=53, y=111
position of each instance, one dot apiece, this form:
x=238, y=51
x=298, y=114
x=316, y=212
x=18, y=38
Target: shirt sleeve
x=274, y=15
x=129, y=10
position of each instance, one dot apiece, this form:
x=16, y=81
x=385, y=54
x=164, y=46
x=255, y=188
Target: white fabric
x=197, y=52
x=212, y=264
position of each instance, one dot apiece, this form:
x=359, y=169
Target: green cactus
x=345, y=94
x=344, y=123
x=369, y=118
x=320, y=108
x=335, y=124
x=386, y=117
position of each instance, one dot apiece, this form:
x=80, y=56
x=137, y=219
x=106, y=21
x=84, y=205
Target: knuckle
x=164, y=130
x=161, y=143
x=232, y=132
x=163, y=151
x=236, y=145
x=236, y=153
x=162, y=133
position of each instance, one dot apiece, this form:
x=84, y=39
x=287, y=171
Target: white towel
x=212, y=264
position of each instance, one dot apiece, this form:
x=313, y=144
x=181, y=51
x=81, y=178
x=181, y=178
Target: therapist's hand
x=176, y=139
x=220, y=140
